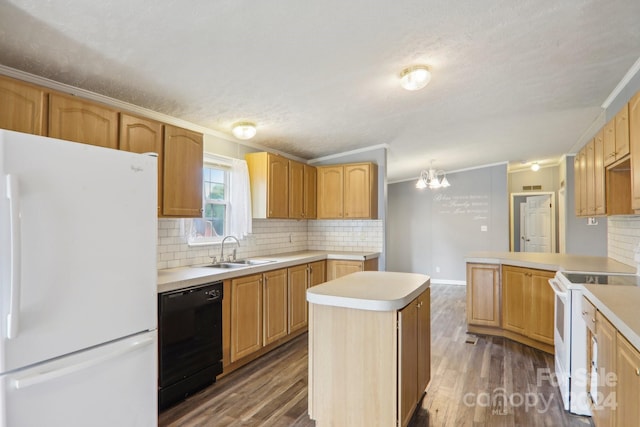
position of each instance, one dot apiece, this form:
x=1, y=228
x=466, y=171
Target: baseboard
x=448, y=282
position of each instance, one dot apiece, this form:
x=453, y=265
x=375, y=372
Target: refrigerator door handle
x=42, y=377
x=13, y=194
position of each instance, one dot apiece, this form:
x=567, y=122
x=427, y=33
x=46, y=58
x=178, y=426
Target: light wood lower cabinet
x=266, y=310
x=298, y=280
x=339, y=267
x=317, y=273
x=513, y=302
x=627, y=369
x=483, y=294
x=274, y=308
x=527, y=303
x=246, y=316
x=368, y=367
x=617, y=373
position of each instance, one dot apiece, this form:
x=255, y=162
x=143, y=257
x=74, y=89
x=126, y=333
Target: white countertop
x=619, y=304
x=370, y=290
x=183, y=277
x=552, y=262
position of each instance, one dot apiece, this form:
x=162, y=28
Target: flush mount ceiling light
x=244, y=130
x=431, y=178
x=415, y=77
x=535, y=167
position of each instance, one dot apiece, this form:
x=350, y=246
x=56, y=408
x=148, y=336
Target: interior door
x=538, y=224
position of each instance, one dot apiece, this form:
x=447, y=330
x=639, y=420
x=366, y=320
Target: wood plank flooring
x=494, y=382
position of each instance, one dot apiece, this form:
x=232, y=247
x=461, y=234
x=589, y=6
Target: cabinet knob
x=637, y=372
x=593, y=320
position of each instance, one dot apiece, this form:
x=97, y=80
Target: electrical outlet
x=437, y=269
x=483, y=228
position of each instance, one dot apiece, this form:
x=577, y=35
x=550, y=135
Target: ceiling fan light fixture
x=244, y=130
x=415, y=77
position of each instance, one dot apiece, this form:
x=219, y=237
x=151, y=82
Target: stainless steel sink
x=239, y=263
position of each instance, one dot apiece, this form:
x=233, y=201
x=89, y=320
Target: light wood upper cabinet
x=296, y=190
x=590, y=175
x=599, y=175
x=609, y=142
x=275, y=305
x=310, y=199
x=139, y=135
x=330, y=191
x=182, y=178
x=246, y=316
x=583, y=182
x=269, y=179
x=634, y=146
x=627, y=368
x=298, y=283
x=577, y=178
x=483, y=294
x=622, y=132
x=348, y=191
x=23, y=107
x=527, y=303
x=74, y=119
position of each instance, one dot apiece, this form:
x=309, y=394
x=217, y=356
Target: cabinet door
x=628, y=388
x=297, y=297
x=424, y=341
x=483, y=294
x=583, y=182
x=182, y=194
x=609, y=142
x=603, y=414
x=590, y=175
x=357, y=191
x=139, y=135
x=275, y=305
x=330, y=191
x=577, y=177
x=408, y=361
x=541, y=306
x=317, y=273
x=277, y=186
x=338, y=268
x=599, y=176
x=514, y=299
x=310, y=183
x=296, y=189
x=634, y=146
x=22, y=107
x=246, y=316
x=622, y=132
x=76, y=120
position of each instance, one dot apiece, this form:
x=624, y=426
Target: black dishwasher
x=189, y=341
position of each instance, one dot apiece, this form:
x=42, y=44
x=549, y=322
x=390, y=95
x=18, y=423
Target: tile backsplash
x=623, y=237
x=271, y=237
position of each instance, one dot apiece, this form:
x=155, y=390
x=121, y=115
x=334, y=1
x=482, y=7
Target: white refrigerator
x=78, y=322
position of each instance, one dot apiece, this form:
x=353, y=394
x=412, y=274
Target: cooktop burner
x=603, y=279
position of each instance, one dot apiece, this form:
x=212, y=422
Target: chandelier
x=433, y=179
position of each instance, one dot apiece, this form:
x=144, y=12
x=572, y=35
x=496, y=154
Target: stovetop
x=603, y=279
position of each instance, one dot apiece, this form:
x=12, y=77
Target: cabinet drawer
x=589, y=314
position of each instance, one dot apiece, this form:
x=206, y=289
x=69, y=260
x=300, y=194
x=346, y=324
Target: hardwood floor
x=494, y=382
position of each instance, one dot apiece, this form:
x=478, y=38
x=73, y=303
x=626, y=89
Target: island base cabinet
x=368, y=368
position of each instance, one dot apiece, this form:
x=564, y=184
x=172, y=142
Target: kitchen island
x=369, y=348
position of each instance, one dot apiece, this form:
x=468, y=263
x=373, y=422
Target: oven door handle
x=555, y=285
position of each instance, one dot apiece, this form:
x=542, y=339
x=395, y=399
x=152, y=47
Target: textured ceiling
x=513, y=80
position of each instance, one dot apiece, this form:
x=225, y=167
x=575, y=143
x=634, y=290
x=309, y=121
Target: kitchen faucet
x=222, y=247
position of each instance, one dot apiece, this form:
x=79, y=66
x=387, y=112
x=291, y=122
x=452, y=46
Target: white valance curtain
x=240, y=222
